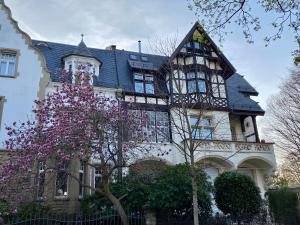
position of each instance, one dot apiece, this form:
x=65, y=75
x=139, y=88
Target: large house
x=196, y=72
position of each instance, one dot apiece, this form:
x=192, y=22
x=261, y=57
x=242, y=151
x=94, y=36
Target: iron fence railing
x=209, y=221
x=135, y=218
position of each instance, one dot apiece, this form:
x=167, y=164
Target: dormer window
x=143, y=83
x=144, y=58
x=81, y=60
x=133, y=57
x=84, y=73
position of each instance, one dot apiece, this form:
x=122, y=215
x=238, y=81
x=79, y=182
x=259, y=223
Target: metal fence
x=112, y=218
x=207, y=221
x=135, y=218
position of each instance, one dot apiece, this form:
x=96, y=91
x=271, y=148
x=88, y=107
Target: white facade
x=222, y=153
x=19, y=91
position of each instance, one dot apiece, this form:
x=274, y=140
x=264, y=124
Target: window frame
x=62, y=169
x=144, y=81
x=81, y=171
x=199, y=127
x=96, y=175
x=149, y=126
x=218, y=83
x=41, y=170
x=15, y=52
x=196, y=80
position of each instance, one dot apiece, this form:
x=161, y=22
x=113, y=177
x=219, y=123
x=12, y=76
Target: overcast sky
x=124, y=22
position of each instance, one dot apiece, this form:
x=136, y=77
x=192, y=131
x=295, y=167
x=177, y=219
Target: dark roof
x=116, y=72
x=239, y=92
x=81, y=50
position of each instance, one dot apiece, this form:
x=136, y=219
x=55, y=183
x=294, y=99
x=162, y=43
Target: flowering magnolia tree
x=73, y=123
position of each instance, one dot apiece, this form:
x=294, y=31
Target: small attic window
x=43, y=44
x=133, y=57
x=144, y=58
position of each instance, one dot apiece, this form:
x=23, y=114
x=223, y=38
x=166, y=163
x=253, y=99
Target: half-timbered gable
x=198, y=71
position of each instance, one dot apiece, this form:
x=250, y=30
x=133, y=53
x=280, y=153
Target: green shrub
x=32, y=209
x=4, y=208
x=172, y=191
x=283, y=206
x=133, y=193
x=169, y=191
x=237, y=194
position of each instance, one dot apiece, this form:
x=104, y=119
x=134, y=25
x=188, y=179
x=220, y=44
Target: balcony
x=235, y=146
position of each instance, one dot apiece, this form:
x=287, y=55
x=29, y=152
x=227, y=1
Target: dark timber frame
x=191, y=56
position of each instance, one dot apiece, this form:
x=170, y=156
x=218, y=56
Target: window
x=70, y=68
x=144, y=58
x=188, y=45
x=196, y=82
x=97, y=178
x=133, y=57
x=61, y=183
x=157, y=127
x=192, y=86
x=7, y=64
x=149, y=130
x=162, y=124
x=143, y=83
x=196, y=44
x=218, y=86
x=41, y=179
x=81, y=179
x=201, y=127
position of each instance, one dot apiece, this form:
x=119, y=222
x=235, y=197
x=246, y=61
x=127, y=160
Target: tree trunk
x=195, y=196
x=116, y=203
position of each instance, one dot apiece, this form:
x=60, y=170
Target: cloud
x=103, y=22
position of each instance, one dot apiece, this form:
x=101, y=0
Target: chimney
x=140, y=46
x=111, y=47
